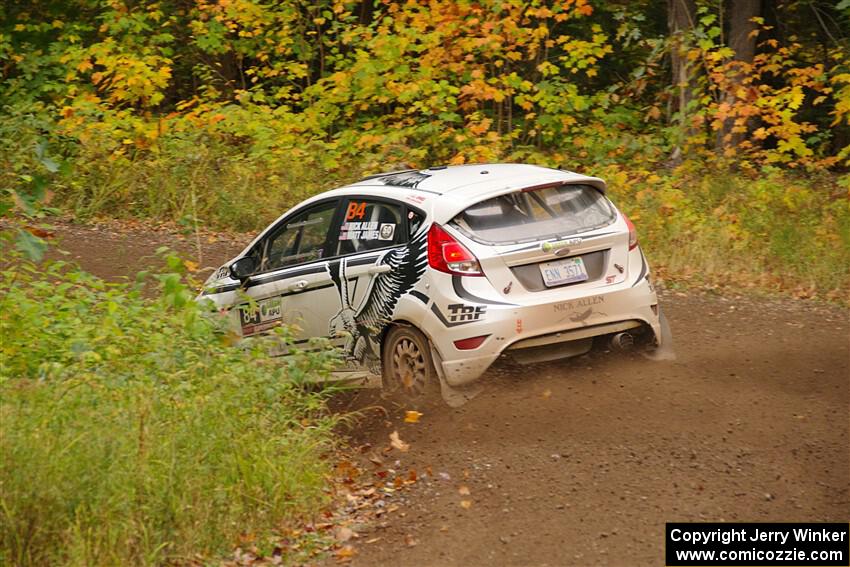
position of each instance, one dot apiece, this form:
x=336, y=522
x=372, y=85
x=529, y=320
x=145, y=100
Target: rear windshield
x=536, y=215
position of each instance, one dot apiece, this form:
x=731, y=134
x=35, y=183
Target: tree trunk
x=741, y=28
x=743, y=43
x=681, y=15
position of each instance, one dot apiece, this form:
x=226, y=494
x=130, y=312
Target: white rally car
x=426, y=277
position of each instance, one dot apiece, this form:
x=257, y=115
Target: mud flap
x=453, y=396
x=664, y=350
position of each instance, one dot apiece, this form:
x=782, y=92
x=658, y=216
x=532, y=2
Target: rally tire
x=408, y=369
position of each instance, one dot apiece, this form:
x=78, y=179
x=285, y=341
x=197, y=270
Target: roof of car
x=446, y=190
x=475, y=179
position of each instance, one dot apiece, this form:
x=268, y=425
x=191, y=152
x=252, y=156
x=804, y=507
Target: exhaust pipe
x=623, y=341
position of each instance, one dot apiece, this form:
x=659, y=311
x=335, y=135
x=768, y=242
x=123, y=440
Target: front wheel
x=408, y=369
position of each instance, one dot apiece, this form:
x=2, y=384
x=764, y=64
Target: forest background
x=132, y=431
x=723, y=127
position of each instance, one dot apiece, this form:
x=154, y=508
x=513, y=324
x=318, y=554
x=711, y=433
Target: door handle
x=379, y=269
x=299, y=285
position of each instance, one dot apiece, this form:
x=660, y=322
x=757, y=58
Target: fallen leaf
x=466, y=504
x=344, y=534
x=410, y=541
x=41, y=233
x=463, y=490
x=412, y=416
x=397, y=443
x=411, y=475
x=373, y=540
x=547, y=393
x=345, y=553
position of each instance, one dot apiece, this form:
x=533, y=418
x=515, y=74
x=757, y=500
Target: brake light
x=633, y=241
x=450, y=256
x=470, y=343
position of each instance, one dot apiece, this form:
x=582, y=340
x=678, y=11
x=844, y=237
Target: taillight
x=450, y=256
x=470, y=343
x=633, y=242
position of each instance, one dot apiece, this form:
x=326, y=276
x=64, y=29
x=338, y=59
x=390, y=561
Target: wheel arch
x=402, y=322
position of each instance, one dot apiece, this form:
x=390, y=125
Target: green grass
x=769, y=230
x=134, y=435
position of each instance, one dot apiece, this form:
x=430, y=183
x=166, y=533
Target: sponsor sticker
x=560, y=244
x=262, y=316
x=360, y=231
x=579, y=303
x=387, y=231
x=460, y=313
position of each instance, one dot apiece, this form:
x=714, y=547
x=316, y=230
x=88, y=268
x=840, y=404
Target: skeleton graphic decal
x=362, y=325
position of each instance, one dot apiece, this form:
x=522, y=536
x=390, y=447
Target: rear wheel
x=408, y=369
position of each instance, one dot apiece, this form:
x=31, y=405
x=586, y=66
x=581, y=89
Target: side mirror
x=242, y=268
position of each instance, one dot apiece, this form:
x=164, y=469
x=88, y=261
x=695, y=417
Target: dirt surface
x=581, y=462
x=118, y=250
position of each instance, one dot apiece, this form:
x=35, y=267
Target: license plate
x=563, y=272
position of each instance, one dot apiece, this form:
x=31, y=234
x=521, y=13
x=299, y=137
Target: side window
x=302, y=239
x=414, y=221
x=369, y=225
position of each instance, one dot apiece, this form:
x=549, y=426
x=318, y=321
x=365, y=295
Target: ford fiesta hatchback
x=424, y=278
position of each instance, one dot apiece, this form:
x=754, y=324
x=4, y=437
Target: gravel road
x=581, y=462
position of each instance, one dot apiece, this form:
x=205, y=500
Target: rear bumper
x=529, y=326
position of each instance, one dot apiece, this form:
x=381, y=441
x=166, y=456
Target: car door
x=370, y=229
x=293, y=285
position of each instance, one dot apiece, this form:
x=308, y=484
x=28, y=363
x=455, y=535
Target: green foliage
x=27, y=176
x=229, y=111
x=763, y=228
x=133, y=433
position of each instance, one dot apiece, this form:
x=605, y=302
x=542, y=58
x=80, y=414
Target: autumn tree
x=681, y=18
x=743, y=29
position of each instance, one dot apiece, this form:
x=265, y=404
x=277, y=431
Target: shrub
x=134, y=433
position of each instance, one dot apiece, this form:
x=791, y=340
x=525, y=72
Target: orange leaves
x=654, y=113
x=480, y=127
x=412, y=416
x=345, y=554
x=766, y=95
x=479, y=90
x=584, y=9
